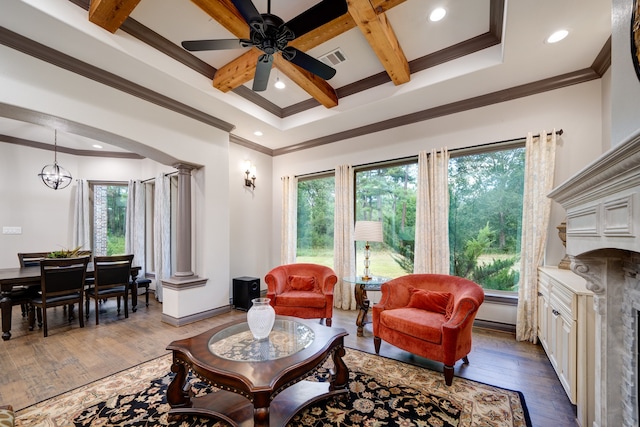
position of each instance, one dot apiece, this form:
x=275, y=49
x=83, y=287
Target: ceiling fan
x=271, y=35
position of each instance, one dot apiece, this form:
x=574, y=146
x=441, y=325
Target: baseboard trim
x=192, y=318
x=498, y=326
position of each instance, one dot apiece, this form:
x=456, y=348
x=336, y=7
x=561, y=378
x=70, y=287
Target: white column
x=183, y=234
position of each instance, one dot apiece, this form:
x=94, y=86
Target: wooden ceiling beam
x=382, y=39
x=309, y=82
x=242, y=69
x=226, y=14
x=110, y=14
x=237, y=72
x=323, y=33
x=338, y=26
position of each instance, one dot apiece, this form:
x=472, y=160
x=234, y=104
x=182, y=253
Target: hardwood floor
x=35, y=368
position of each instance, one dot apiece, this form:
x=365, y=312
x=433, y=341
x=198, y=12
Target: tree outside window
x=388, y=194
x=109, y=218
x=316, y=203
x=485, y=217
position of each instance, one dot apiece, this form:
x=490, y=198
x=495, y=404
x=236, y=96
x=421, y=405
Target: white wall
x=575, y=109
x=250, y=215
x=606, y=110
x=625, y=85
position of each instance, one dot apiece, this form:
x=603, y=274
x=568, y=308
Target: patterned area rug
x=382, y=392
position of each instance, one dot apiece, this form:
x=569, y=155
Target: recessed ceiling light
x=437, y=14
x=97, y=146
x=557, y=36
x=257, y=133
x=279, y=84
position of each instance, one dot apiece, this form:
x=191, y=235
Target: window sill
x=503, y=299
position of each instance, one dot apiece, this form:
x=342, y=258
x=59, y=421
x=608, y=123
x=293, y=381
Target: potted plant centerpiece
x=67, y=253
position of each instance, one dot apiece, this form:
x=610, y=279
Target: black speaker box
x=244, y=290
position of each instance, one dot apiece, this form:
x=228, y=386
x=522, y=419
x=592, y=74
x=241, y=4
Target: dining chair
x=22, y=294
x=111, y=279
x=61, y=283
x=31, y=259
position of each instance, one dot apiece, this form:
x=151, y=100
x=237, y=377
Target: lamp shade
x=369, y=231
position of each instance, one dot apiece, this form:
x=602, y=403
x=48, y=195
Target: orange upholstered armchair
x=302, y=290
x=430, y=315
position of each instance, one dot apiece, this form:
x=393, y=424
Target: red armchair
x=302, y=290
x=430, y=315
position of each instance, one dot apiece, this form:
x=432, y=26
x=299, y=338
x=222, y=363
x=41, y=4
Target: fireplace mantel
x=603, y=222
x=602, y=202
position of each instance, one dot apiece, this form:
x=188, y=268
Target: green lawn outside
x=381, y=262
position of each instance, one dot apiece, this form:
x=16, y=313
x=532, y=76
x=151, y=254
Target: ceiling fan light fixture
x=270, y=34
x=557, y=36
x=437, y=14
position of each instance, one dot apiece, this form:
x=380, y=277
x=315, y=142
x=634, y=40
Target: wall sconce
x=250, y=175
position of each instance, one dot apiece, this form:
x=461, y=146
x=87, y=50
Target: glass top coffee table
x=261, y=382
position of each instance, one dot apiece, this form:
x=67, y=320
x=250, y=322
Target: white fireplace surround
x=630, y=331
x=603, y=221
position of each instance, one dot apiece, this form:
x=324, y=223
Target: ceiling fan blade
x=196, y=45
x=263, y=69
x=320, y=14
x=309, y=63
x=250, y=14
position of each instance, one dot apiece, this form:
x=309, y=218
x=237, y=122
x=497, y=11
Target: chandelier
x=55, y=176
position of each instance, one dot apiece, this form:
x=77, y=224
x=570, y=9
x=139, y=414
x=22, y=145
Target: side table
x=362, y=302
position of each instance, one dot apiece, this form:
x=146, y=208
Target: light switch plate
x=11, y=230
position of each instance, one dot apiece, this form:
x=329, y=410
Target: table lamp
x=368, y=231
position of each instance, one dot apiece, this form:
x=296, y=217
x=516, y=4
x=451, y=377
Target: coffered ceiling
x=399, y=67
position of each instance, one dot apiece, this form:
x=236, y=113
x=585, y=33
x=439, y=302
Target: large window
x=109, y=213
x=485, y=217
x=316, y=201
x=388, y=194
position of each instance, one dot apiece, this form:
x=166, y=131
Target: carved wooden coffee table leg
x=177, y=396
x=261, y=417
x=341, y=374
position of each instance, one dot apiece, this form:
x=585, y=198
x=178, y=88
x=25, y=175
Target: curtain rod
x=409, y=158
x=151, y=179
x=506, y=141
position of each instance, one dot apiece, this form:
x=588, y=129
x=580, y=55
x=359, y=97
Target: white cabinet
x=566, y=329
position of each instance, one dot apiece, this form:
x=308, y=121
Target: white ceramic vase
x=260, y=318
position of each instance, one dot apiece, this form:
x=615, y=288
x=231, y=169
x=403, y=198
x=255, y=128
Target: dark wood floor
x=35, y=368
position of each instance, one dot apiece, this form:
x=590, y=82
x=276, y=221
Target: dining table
x=30, y=276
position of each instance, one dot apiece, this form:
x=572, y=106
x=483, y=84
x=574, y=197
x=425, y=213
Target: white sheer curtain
x=162, y=232
x=538, y=182
x=343, y=243
x=134, y=235
x=81, y=218
x=289, y=219
x=432, y=213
